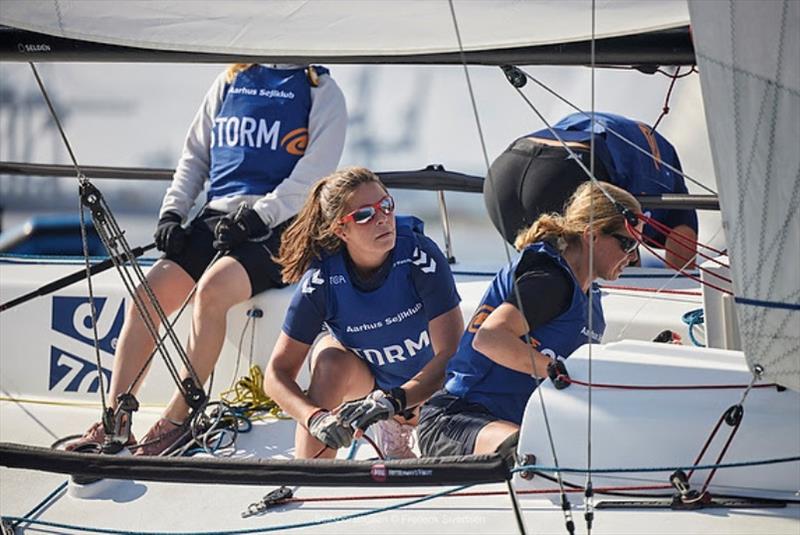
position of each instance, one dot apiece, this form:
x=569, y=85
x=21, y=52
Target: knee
x=212, y=295
x=337, y=369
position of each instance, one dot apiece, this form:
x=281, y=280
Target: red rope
x=681, y=237
x=660, y=387
x=665, y=109
x=638, y=235
x=474, y=493
x=655, y=290
x=647, y=240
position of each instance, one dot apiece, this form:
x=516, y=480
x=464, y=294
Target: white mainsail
x=747, y=52
x=344, y=27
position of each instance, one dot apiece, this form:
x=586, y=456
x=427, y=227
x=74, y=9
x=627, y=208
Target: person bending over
x=537, y=175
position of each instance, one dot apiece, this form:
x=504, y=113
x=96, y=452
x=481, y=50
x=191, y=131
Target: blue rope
x=298, y=525
x=540, y=468
x=353, y=449
x=692, y=318
x=36, y=509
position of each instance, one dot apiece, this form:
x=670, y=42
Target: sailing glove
x=327, y=428
x=379, y=405
x=170, y=236
x=557, y=372
x=236, y=228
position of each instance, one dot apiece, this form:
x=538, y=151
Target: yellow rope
x=248, y=396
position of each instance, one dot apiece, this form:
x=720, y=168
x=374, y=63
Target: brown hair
x=589, y=202
x=235, y=69
x=312, y=232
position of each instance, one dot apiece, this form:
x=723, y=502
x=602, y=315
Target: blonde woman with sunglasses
x=384, y=297
x=532, y=317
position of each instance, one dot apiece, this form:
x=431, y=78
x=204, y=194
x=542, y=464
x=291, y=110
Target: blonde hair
x=235, y=69
x=588, y=202
x=313, y=232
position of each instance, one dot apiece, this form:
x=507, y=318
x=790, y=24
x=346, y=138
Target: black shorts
x=530, y=179
x=448, y=425
x=255, y=257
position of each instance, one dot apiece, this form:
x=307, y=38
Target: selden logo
x=75, y=370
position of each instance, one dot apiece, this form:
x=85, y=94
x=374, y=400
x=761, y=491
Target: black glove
x=379, y=405
x=557, y=372
x=326, y=428
x=170, y=236
x=237, y=227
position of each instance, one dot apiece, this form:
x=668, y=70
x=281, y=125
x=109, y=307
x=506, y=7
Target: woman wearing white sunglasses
x=386, y=295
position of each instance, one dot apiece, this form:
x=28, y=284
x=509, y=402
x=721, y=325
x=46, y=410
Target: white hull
x=36, y=409
x=48, y=351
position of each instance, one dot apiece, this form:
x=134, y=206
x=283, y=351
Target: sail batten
x=747, y=53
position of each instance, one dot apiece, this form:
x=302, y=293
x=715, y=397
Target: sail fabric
x=342, y=27
x=747, y=53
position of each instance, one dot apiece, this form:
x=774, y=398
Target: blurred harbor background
x=400, y=118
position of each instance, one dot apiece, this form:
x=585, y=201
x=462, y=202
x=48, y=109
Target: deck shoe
x=394, y=439
x=92, y=440
x=164, y=437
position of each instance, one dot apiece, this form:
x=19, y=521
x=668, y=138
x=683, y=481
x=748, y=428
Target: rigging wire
x=84, y=236
x=589, y=502
x=619, y=136
x=485, y=154
x=121, y=255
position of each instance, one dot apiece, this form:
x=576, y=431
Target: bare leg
x=170, y=284
x=492, y=435
x=338, y=375
x=224, y=285
x=677, y=251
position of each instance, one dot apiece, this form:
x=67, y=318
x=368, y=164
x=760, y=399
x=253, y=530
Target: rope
x=247, y=397
x=649, y=290
x=665, y=108
x=84, y=238
x=645, y=241
x=693, y=318
x=41, y=504
x=268, y=529
x=620, y=136
x=659, y=387
x=589, y=502
x=641, y=469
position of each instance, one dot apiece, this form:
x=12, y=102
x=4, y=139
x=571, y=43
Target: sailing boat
x=623, y=426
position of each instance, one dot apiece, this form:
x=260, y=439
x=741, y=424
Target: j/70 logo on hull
x=73, y=366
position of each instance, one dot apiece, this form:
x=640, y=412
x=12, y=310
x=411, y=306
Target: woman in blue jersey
x=262, y=136
x=537, y=175
x=386, y=298
x=533, y=316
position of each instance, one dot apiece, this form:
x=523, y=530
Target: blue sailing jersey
x=627, y=167
x=260, y=132
x=387, y=327
x=505, y=392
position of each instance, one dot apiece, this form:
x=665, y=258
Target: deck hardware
x=278, y=496
x=526, y=459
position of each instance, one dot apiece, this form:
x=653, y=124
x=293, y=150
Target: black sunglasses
x=627, y=243
x=364, y=215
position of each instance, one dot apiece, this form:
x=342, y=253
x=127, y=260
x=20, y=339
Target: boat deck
x=135, y=506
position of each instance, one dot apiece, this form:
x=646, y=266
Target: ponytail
x=235, y=69
x=306, y=238
x=589, y=203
